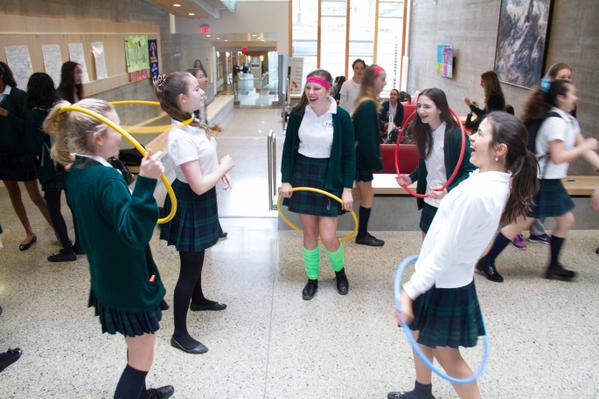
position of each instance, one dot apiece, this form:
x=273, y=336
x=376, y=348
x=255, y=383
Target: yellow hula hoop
x=135, y=144
x=319, y=191
x=147, y=129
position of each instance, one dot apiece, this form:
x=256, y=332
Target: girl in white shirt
x=195, y=226
x=558, y=143
x=351, y=88
x=439, y=301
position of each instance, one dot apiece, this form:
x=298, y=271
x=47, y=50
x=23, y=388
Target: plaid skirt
x=195, y=226
x=427, y=214
x=448, y=317
x=312, y=172
x=130, y=324
x=17, y=168
x=364, y=175
x=551, y=200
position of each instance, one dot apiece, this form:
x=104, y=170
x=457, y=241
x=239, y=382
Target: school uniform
x=115, y=228
x=368, y=150
x=552, y=199
x=318, y=152
x=348, y=95
x=195, y=226
x=446, y=308
x=396, y=113
x=16, y=158
x=434, y=171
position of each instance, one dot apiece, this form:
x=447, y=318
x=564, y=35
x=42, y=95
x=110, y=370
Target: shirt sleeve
x=183, y=149
x=553, y=128
x=343, y=96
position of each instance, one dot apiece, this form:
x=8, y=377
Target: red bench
x=408, y=158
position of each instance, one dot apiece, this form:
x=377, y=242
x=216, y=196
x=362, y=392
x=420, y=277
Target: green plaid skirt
x=551, y=200
x=427, y=214
x=195, y=226
x=130, y=324
x=312, y=172
x=448, y=317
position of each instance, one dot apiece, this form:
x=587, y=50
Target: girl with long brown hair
x=494, y=99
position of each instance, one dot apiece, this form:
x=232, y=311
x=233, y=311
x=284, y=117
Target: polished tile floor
x=269, y=343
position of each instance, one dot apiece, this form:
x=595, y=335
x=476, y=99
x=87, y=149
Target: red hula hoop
x=458, y=165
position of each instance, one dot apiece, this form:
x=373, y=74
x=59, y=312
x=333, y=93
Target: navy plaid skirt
x=427, y=214
x=17, y=168
x=195, y=226
x=130, y=324
x=312, y=172
x=364, y=175
x=448, y=317
x=551, y=200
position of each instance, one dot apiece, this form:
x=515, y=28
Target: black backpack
x=533, y=126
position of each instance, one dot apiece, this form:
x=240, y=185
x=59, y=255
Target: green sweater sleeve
x=366, y=130
x=291, y=139
x=455, y=142
x=348, y=153
x=133, y=216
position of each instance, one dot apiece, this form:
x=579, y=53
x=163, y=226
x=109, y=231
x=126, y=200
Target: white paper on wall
x=52, y=61
x=76, y=54
x=19, y=61
x=98, y=51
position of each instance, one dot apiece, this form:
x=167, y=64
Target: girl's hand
x=591, y=143
x=286, y=190
x=438, y=194
x=407, y=311
x=467, y=101
x=227, y=163
x=3, y=112
x=151, y=166
x=227, y=181
x=348, y=199
x=403, y=180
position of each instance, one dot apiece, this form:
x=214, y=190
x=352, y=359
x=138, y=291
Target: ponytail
x=507, y=129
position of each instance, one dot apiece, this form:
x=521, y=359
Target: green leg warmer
x=311, y=261
x=336, y=258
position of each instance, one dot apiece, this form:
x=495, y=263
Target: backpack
x=533, y=126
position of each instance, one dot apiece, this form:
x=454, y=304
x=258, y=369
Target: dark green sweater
x=342, y=163
x=451, y=149
x=366, y=125
x=12, y=127
x=40, y=143
x=115, y=228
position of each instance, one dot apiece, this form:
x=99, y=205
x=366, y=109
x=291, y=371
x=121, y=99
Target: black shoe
x=597, y=251
x=342, y=283
x=223, y=235
x=163, y=305
x=209, y=305
x=310, y=290
x=0, y=310
x=560, y=273
x=370, y=240
x=402, y=395
x=9, y=357
x=489, y=271
x=78, y=250
x=198, y=349
x=27, y=245
x=65, y=255
x=160, y=393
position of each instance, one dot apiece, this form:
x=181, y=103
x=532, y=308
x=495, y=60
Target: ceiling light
x=191, y=14
x=218, y=38
x=176, y=5
x=226, y=40
x=208, y=35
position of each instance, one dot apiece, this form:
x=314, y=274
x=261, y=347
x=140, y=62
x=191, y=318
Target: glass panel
x=332, y=36
x=389, y=42
x=361, y=31
x=304, y=14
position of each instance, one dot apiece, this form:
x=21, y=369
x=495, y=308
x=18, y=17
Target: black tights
x=188, y=288
x=52, y=198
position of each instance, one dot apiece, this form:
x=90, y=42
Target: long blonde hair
x=73, y=130
x=367, y=91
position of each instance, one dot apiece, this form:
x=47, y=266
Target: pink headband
x=315, y=79
x=378, y=69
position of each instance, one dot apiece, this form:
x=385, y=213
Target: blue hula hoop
x=397, y=291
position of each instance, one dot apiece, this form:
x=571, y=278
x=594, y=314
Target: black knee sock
x=131, y=384
x=555, y=246
x=191, y=267
x=420, y=391
x=498, y=246
x=52, y=198
x=364, y=217
x=198, y=294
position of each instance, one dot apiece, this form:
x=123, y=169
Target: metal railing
x=271, y=150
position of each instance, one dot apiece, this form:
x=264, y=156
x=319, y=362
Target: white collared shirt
x=190, y=143
x=5, y=93
x=461, y=230
x=97, y=158
x=435, y=165
x=348, y=95
x=553, y=128
x=316, y=132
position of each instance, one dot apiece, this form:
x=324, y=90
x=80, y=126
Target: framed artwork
x=522, y=40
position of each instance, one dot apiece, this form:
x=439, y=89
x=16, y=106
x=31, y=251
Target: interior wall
x=471, y=26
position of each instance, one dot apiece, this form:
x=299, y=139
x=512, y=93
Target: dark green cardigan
x=451, y=149
x=115, y=228
x=342, y=163
x=366, y=125
x=12, y=127
x=40, y=143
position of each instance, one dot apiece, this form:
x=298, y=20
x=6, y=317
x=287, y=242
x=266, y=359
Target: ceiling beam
x=208, y=8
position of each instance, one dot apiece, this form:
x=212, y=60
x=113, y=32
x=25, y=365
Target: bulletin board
x=35, y=32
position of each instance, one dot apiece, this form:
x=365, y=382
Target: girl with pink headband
x=319, y=152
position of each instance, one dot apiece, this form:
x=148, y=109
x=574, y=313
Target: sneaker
x=539, y=239
x=560, y=273
x=489, y=271
x=519, y=242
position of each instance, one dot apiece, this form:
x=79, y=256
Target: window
x=389, y=41
x=305, y=33
x=333, y=16
x=361, y=32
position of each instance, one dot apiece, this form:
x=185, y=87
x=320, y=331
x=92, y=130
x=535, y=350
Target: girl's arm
x=201, y=183
x=590, y=156
x=559, y=154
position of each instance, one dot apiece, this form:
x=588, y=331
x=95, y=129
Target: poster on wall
x=137, y=57
x=19, y=61
x=52, y=61
x=522, y=41
x=77, y=55
x=445, y=60
x=99, y=57
x=153, y=49
x=296, y=68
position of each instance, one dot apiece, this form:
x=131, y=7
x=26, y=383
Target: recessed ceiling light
x=218, y=38
x=176, y=5
x=254, y=35
x=208, y=35
x=226, y=40
x=191, y=14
